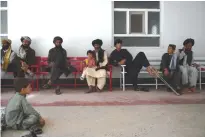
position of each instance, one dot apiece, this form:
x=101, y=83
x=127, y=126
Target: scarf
x=6, y=59
x=100, y=56
x=22, y=53
x=173, y=62
x=189, y=57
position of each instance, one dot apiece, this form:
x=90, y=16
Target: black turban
x=97, y=41
x=189, y=41
x=25, y=38
x=57, y=38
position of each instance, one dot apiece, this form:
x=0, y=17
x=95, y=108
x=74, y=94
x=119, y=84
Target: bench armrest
x=110, y=68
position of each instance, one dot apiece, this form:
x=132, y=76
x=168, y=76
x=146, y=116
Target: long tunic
x=17, y=109
x=183, y=57
x=189, y=73
x=28, y=55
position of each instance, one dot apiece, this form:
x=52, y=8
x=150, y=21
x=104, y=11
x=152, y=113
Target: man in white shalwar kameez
x=98, y=73
x=187, y=67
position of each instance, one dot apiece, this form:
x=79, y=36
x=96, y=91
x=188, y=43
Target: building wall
x=79, y=22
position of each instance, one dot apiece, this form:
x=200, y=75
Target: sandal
x=58, y=92
x=141, y=89
x=36, y=130
x=192, y=89
x=31, y=134
x=46, y=86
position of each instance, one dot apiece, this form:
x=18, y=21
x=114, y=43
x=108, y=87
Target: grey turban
x=25, y=38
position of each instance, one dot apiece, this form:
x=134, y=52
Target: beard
x=58, y=46
x=25, y=46
x=5, y=47
x=187, y=51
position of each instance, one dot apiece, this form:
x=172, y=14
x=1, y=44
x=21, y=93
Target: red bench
x=34, y=68
x=75, y=62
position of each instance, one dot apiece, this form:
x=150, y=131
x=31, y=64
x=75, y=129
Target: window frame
x=143, y=22
x=128, y=26
x=4, y=9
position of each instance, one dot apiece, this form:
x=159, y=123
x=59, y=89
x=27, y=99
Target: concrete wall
x=79, y=22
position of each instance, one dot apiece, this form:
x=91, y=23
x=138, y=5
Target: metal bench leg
x=200, y=78
x=123, y=79
x=156, y=83
x=110, y=81
x=120, y=80
x=75, y=81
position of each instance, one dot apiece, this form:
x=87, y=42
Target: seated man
x=169, y=67
x=26, y=53
x=57, y=60
x=123, y=57
x=99, y=73
x=7, y=58
x=12, y=63
x=19, y=114
x=186, y=65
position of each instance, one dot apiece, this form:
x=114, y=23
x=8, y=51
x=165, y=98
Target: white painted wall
x=79, y=22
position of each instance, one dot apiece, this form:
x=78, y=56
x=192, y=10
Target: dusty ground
x=117, y=114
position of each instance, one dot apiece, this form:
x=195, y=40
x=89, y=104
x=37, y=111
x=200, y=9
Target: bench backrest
x=76, y=62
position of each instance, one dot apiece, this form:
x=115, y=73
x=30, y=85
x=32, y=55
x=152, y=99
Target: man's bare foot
x=152, y=71
x=192, y=89
x=90, y=89
x=98, y=90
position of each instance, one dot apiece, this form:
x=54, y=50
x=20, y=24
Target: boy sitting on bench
x=170, y=68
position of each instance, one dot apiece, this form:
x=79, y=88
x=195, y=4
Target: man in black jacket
x=123, y=57
x=57, y=60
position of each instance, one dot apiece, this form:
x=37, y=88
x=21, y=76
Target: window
x=4, y=19
x=137, y=23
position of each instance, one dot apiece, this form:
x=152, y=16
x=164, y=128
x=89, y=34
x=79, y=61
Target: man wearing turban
x=187, y=67
x=57, y=60
x=10, y=62
x=100, y=72
x=7, y=57
x=26, y=53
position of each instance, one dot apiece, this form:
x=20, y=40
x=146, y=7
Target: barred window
x=4, y=19
x=137, y=23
